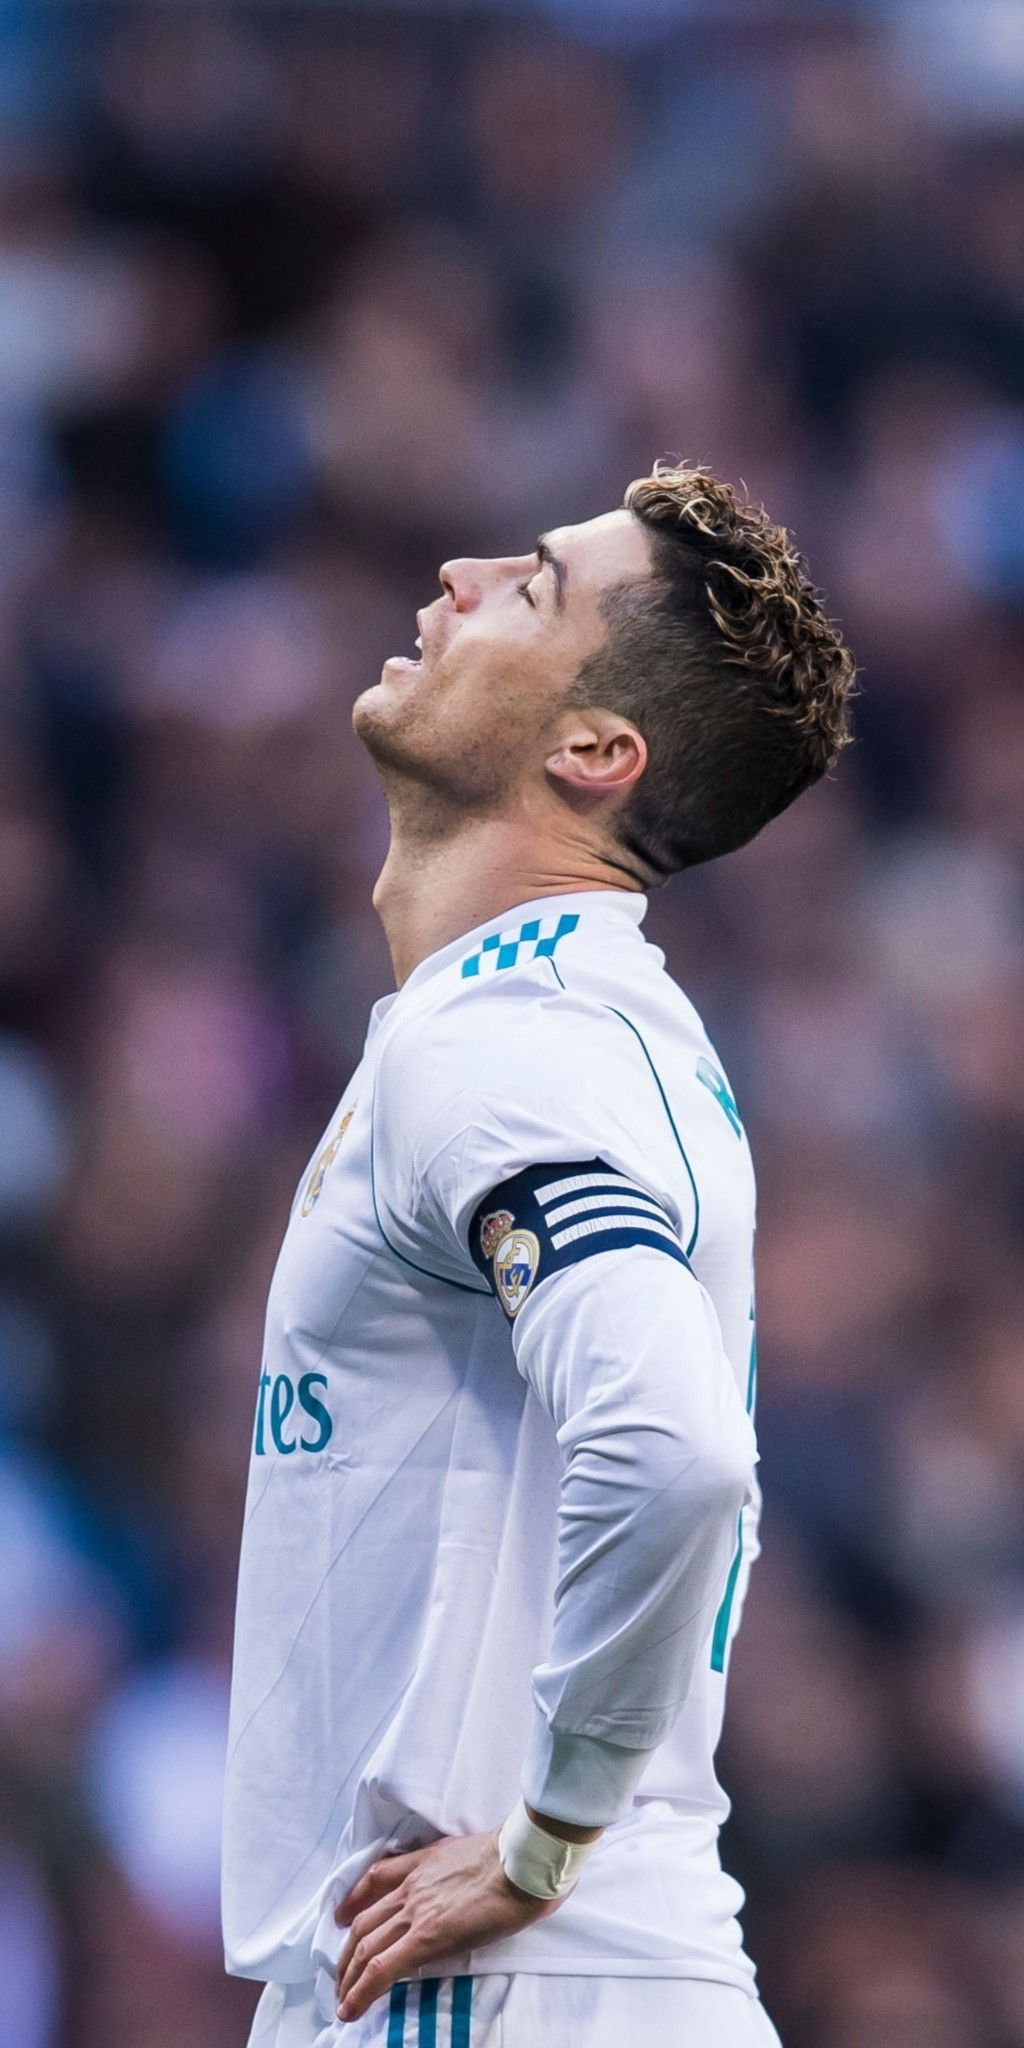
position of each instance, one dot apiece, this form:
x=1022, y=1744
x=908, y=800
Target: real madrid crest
x=314, y=1185
x=515, y=1262
x=493, y=1228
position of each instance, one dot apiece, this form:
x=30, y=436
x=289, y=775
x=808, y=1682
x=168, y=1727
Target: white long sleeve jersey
x=502, y=1503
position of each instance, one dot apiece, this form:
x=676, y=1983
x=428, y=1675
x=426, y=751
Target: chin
x=383, y=728
x=366, y=704
x=371, y=715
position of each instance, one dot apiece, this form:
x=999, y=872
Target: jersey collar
x=615, y=904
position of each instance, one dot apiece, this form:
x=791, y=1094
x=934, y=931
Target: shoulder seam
x=462, y=1286
x=638, y=1035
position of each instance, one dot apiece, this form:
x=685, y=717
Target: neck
x=430, y=891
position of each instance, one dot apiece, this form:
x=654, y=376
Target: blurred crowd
x=294, y=304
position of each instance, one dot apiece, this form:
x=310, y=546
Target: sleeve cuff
x=579, y=1778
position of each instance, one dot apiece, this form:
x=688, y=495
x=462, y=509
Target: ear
x=599, y=755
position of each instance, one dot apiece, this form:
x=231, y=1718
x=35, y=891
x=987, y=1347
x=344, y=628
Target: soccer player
x=502, y=1503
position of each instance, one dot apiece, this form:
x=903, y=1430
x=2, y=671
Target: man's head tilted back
x=656, y=683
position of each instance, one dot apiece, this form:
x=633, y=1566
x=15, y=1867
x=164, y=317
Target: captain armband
x=548, y=1217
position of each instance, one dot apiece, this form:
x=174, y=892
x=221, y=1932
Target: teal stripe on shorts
x=428, y=2012
x=462, y=2000
x=396, y=2015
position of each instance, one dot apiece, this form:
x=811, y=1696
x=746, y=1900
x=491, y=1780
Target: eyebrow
x=552, y=561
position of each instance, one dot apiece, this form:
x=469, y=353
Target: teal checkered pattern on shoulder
x=501, y=949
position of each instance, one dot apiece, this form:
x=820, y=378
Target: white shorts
x=522, y=2011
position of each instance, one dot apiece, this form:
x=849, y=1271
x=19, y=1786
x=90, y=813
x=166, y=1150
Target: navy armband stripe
x=556, y=1189
x=592, y=1204
x=598, y=1226
x=549, y=1217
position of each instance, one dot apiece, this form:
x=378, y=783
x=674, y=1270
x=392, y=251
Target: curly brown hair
x=727, y=662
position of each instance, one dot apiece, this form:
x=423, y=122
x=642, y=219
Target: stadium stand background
x=293, y=304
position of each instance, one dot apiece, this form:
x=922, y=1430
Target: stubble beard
x=426, y=788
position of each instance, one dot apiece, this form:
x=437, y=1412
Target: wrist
x=535, y=1861
x=564, y=1830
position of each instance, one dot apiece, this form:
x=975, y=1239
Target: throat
x=430, y=893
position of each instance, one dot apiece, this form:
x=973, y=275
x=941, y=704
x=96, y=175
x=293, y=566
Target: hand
x=408, y=1910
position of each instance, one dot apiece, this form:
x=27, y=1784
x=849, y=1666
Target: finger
x=381, y=1877
x=379, y=1973
x=364, y=1923
x=372, y=1945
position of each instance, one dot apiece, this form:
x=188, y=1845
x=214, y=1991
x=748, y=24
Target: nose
x=463, y=581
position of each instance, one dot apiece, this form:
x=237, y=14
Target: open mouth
x=408, y=663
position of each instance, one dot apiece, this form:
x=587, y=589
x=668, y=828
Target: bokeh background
x=294, y=303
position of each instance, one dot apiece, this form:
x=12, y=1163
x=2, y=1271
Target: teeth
x=418, y=643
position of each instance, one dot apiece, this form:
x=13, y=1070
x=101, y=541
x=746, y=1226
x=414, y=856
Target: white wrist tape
x=537, y=1862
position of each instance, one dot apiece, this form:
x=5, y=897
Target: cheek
x=498, y=692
